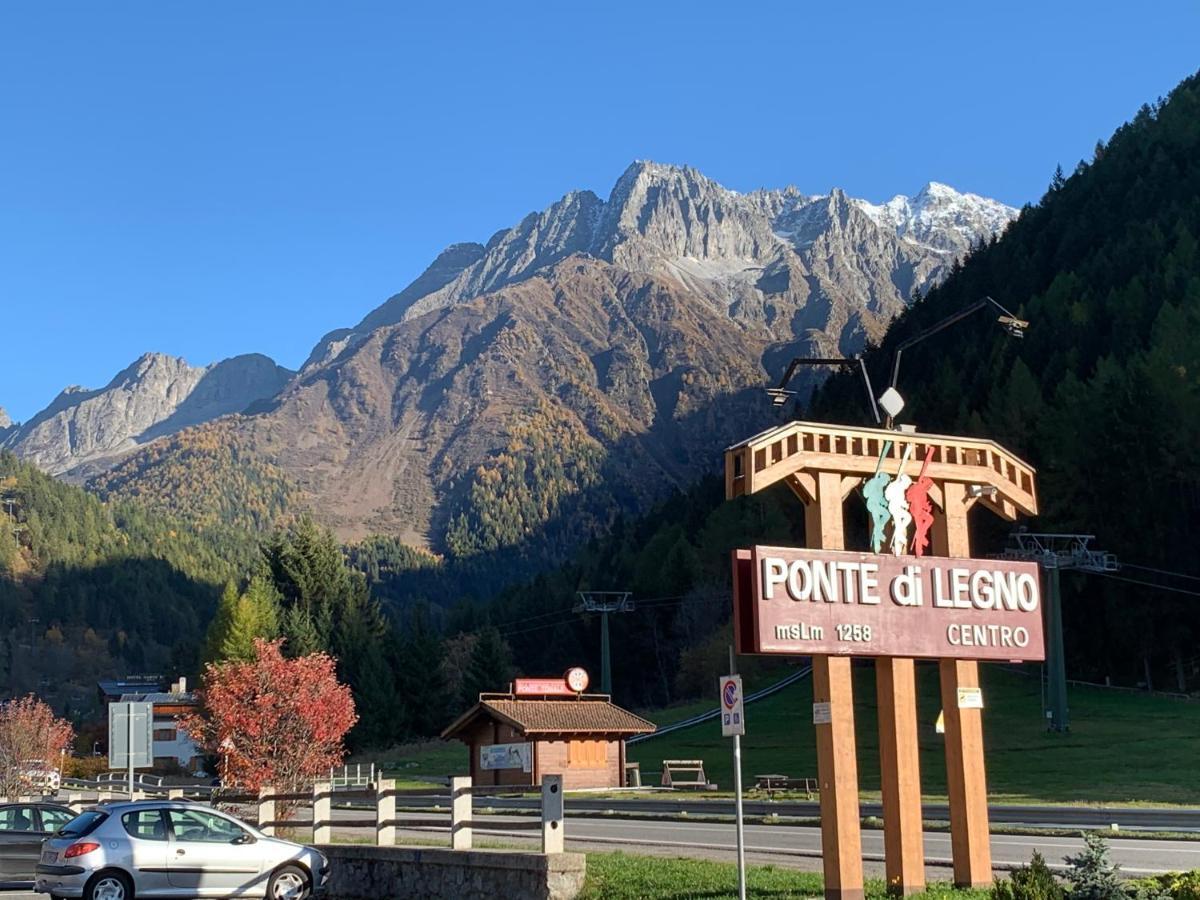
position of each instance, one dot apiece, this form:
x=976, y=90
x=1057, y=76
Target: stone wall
x=361, y=872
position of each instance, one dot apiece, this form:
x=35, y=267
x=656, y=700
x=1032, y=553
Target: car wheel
x=109, y=886
x=289, y=883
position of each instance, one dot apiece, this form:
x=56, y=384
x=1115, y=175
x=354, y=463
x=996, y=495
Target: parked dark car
x=23, y=827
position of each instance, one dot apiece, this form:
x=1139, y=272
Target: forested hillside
x=1103, y=395
x=206, y=476
x=91, y=590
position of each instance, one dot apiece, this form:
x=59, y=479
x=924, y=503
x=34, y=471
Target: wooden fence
x=382, y=799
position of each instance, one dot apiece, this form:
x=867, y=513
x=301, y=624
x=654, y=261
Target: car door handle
x=180, y=852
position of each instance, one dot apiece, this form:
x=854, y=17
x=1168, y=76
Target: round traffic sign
x=729, y=695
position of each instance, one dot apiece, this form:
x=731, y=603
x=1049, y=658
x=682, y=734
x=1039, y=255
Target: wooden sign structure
x=823, y=465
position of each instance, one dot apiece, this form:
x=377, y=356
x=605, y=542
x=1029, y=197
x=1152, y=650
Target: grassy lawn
x=1122, y=747
x=619, y=876
x=428, y=758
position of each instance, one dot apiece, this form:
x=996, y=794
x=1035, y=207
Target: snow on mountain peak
x=940, y=218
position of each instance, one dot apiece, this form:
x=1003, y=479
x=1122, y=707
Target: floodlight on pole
x=780, y=394
x=1013, y=327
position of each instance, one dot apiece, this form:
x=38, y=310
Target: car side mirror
x=244, y=838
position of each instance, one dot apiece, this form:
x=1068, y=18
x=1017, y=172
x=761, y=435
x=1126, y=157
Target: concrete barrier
x=362, y=872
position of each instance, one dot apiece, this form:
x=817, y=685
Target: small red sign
x=541, y=686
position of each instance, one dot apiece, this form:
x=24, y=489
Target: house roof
x=118, y=686
x=589, y=714
x=161, y=698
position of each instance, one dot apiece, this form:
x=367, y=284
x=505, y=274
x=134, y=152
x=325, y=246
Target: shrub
x=1093, y=875
x=1171, y=886
x=1032, y=882
x=86, y=767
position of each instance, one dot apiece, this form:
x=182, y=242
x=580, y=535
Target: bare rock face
x=829, y=271
x=155, y=396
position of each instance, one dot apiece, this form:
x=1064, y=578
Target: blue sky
x=207, y=179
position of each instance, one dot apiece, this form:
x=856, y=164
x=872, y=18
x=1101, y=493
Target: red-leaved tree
x=31, y=739
x=271, y=720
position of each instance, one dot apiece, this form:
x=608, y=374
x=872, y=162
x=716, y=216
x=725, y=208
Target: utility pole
x=1054, y=553
x=604, y=602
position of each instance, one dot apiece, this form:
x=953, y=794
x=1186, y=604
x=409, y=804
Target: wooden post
x=460, y=813
x=266, y=810
x=900, y=775
x=966, y=774
x=322, y=812
x=837, y=762
x=385, y=812
x=552, y=814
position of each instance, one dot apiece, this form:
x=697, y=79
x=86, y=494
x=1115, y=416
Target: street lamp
x=779, y=395
x=1013, y=327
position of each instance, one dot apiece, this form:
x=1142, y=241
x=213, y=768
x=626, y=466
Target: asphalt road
x=1128, y=818
x=800, y=846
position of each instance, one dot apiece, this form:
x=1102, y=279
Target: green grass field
x=620, y=876
x=1122, y=748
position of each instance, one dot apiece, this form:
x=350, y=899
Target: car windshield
x=84, y=823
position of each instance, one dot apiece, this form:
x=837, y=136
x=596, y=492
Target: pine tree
x=1093, y=875
x=490, y=668
x=421, y=681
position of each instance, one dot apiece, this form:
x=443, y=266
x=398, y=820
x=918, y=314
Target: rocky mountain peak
x=674, y=221
x=156, y=394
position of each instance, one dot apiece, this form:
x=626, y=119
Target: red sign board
x=542, y=686
x=801, y=602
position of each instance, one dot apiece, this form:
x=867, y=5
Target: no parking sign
x=733, y=720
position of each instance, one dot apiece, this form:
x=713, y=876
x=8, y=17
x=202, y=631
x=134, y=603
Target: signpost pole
x=737, y=794
x=1054, y=654
x=129, y=748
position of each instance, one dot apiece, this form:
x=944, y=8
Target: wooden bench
x=673, y=769
x=773, y=783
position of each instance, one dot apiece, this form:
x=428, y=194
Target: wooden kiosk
x=824, y=465
x=543, y=726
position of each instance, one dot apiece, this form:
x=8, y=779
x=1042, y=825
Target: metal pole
x=1057, y=665
x=129, y=749
x=737, y=795
x=605, y=660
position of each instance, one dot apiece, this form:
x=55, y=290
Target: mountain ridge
x=616, y=330
x=669, y=219
x=155, y=395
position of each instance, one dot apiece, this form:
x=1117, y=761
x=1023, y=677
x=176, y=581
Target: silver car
x=118, y=851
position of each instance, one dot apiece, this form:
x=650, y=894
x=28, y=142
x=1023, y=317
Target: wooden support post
x=899, y=767
x=966, y=774
x=460, y=813
x=837, y=763
x=266, y=810
x=385, y=812
x=322, y=812
x=552, y=814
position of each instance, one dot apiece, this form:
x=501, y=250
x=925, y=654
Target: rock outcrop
x=155, y=396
